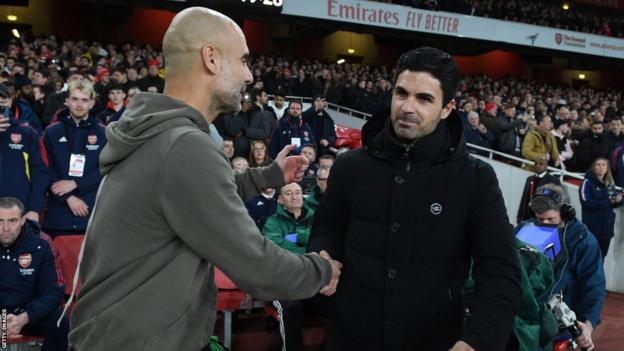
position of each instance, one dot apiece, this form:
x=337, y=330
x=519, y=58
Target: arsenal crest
x=92, y=139
x=25, y=259
x=558, y=38
x=16, y=138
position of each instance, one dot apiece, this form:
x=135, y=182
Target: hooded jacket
x=166, y=213
x=23, y=172
x=405, y=220
x=30, y=279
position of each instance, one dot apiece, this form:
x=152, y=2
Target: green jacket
x=534, y=326
x=283, y=223
x=313, y=200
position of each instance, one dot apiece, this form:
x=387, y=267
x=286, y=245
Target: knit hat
x=490, y=106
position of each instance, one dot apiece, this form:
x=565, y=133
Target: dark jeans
x=55, y=338
x=604, y=246
x=293, y=313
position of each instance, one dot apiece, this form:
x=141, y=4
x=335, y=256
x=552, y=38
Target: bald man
x=168, y=210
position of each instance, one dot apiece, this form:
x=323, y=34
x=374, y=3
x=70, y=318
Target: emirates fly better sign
x=445, y=23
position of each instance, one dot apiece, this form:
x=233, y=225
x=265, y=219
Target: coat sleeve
x=589, y=201
x=199, y=202
x=49, y=286
x=331, y=217
x=39, y=176
x=527, y=147
x=52, y=168
x=274, y=145
x=591, y=280
x=254, y=179
x=330, y=130
x=496, y=269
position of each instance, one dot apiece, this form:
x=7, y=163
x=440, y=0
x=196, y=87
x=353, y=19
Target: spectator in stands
x=73, y=147
x=368, y=195
x=615, y=135
x=120, y=77
x=258, y=154
x=598, y=199
x=240, y=164
x=541, y=177
x=262, y=206
x=561, y=131
x=477, y=134
x=579, y=273
x=205, y=52
x=152, y=81
x=592, y=147
x=278, y=104
x=56, y=102
x=101, y=85
x=289, y=228
x=40, y=77
x=322, y=125
x=115, y=106
x=31, y=288
x=489, y=118
x=228, y=147
x=541, y=143
x=314, y=198
x=326, y=161
x=291, y=129
x=19, y=110
x=508, y=137
x=255, y=124
x=23, y=173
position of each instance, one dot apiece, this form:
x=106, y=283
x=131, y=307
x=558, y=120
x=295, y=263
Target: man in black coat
x=407, y=215
x=541, y=177
x=322, y=125
x=592, y=147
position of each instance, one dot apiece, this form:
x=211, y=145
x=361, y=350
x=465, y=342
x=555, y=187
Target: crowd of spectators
x=543, y=13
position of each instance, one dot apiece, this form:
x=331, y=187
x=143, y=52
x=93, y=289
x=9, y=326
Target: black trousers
x=293, y=312
x=55, y=338
x=604, y=244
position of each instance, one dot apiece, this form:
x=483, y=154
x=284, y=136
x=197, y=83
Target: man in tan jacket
x=168, y=210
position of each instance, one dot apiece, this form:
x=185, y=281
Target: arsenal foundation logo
x=16, y=138
x=25, y=259
x=558, y=38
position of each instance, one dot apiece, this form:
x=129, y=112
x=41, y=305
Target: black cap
x=4, y=91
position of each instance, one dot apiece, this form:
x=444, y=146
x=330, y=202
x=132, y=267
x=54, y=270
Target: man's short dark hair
x=296, y=101
x=312, y=146
x=435, y=62
x=118, y=69
x=280, y=93
x=10, y=202
x=228, y=138
x=255, y=92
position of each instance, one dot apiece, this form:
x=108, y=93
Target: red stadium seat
x=229, y=299
x=68, y=247
x=14, y=341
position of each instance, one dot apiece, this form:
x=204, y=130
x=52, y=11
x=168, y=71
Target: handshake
x=336, y=266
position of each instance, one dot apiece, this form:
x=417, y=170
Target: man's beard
x=227, y=102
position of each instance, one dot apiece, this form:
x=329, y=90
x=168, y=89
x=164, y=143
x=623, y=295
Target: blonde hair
x=82, y=85
x=608, y=177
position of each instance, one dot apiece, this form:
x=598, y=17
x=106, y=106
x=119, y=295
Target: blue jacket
x=23, y=173
x=87, y=139
x=260, y=208
x=30, y=278
x=598, y=212
x=579, y=275
x=26, y=116
x=288, y=129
